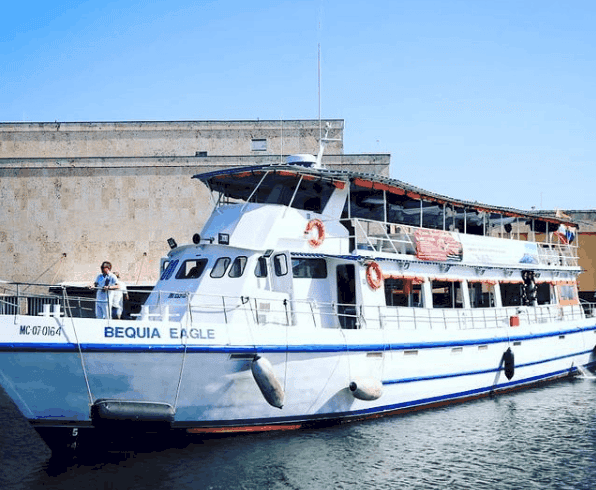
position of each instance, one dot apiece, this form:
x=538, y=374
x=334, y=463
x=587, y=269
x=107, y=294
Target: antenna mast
x=319, y=84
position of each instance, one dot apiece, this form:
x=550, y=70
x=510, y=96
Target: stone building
x=586, y=243
x=75, y=194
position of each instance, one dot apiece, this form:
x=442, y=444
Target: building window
x=258, y=145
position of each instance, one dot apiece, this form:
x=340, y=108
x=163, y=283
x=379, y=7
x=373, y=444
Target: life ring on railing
x=315, y=224
x=374, y=275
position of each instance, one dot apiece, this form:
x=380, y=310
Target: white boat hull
x=55, y=380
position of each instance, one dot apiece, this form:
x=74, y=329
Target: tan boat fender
x=270, y=387
x=366, y=388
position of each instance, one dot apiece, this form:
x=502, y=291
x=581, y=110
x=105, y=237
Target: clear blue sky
x=491, y=101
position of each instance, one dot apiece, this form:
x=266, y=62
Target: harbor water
x=543, y=438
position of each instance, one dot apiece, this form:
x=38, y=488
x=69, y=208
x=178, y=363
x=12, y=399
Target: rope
x=52, y=265
x=67, y=303
x=185, y=340
x=141, y=268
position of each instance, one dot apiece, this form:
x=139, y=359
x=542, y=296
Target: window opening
x=567, y=294
x=511, y=293
x=309, y=268
x=447, y=294
x=169, y=270
x=280, y=265
x=261, y=267
x=543, y=293
x=482, y=294
x=191, y=269
x=258, y=144
x=346, y=296
x=403, y=292
x=238, y=266
x=219, y=269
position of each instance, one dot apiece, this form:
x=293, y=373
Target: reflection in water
x=539, y=439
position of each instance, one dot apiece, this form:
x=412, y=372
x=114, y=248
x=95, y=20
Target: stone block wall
x=176, y=138
x=61, y=217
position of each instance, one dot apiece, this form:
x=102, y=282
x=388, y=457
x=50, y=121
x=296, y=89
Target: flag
x=566, y=235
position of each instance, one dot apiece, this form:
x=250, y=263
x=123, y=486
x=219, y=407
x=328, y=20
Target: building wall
x=61, y=218
x=586, y=220
x=176, y=138
x=74, y=194
x=587, y=261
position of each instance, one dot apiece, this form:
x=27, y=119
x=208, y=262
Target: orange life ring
x=315, y=224
x=374, y=275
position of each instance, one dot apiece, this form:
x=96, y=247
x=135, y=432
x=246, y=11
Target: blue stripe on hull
x=303, y=348
x=481, y=371
x=390, y=409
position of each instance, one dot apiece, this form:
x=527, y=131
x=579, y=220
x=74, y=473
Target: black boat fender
x=509, y=362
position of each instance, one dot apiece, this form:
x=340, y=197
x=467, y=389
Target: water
x=544, y=438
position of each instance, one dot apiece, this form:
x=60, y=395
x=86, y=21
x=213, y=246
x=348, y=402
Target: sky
x=489, y=101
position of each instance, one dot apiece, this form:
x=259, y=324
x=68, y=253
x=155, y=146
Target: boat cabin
x=295, y=244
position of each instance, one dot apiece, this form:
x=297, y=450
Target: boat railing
x=588, y=307
x=278, y=310
x=478, y=318
x=34, y=299
x=380, y=236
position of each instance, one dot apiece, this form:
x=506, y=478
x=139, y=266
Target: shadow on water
x=541, y=438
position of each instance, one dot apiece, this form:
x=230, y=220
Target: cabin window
x=511, y=293
x=191, y=269
x=280, y=265
x=169, y=270
x=482, y=294
x=219, y=269
x=309, y=268
x=238, y=266
x=261, y=267
x=567, y=294
x=447, y=294
x=278, y=188
x=432, y=215
x=544, y=293
x=313, y=195
x=403, y=292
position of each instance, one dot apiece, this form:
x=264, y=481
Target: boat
x=311, y=297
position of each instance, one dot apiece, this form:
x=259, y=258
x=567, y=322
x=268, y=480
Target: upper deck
x=388, y=216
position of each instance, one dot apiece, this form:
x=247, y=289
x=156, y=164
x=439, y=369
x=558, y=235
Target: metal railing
x=387, y=237
x=279, y=310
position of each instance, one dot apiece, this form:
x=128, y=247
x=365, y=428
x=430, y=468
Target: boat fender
x=509, y=362
x=270, y=387
x=132, y=410
x=366, y=388
x=374, y=275
x=315, y=224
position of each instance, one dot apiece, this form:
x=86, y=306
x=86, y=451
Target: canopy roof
x=238, y=183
